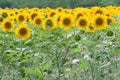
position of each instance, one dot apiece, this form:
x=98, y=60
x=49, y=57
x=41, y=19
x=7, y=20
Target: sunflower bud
x=77, y=37
x=110, y=33
x=4, y=15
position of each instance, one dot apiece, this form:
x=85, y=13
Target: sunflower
x=49, y=24
x=91, y=28
x=98, y=10
x=78, y=14
x=23, y=31
x=82, y=22
x=16, y=11
x=4, y=14
x=59, y=9
x=12, y=15
x=7, y=26
x=110, y=20
x=52, y=13
x=100, y=22
x=108, y=13
x=38, y=21
x=57, y=19
x=32, y=16
x=66, y=21
x=35, y=9
x=21, y=18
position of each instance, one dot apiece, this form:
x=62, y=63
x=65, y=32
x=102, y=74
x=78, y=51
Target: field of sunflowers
x=60, y=44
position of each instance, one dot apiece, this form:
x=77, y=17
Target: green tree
x=107, y=2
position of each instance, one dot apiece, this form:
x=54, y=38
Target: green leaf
x=117, y=50
x=47, y=65
x=26, y=78
x=38, y=73
x=29, y=42
x=1, y=64
x=84, y=64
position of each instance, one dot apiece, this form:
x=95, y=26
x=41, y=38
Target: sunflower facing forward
x=7, y=26
x=100, y=22
x=82, y=22
x=38, y=21
x=23, y=32
x=66, y=21
x=21, y=18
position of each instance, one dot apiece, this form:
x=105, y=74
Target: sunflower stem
x=92, y=71
x=2, y=53
x=21, y=46
x=58, y=65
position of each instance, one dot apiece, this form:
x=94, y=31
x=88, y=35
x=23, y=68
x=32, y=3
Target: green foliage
x=49, y=54
x=56, y=3
x=106, y=2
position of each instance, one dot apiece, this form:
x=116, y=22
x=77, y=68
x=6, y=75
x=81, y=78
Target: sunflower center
x=38, y=21
x=52, y=14
x=49, y=23
x=8, y=25
x=82, y=22
x=66, y=21
x=21, y=18
x=91, y=27
x=59, y=10
x=109, y=21
x=23, y=31
x=98, y=12
x=16, y=12
x=108, y=15
x=4, y=14
x=99, y=21
x=80, y=14
x=33, y=16
x=11, y=14
x=58, y=19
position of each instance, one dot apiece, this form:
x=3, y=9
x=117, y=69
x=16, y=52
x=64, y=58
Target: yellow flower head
x=7, y=26
x=49, y=24
x=52, y=13
x=110, y=20
x=82, y=22
x=23, y=32
x=59, y=9
x=21, y=18
x=57, y=18
x=78, y=14
x=100, y=22
x=66, y=21
x=91, y=28
x=32, y=16
x=38, y=21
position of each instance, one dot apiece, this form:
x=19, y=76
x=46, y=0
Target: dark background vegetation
x=56, y=3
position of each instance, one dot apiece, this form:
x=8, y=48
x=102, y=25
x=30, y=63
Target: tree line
x=56, y=3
